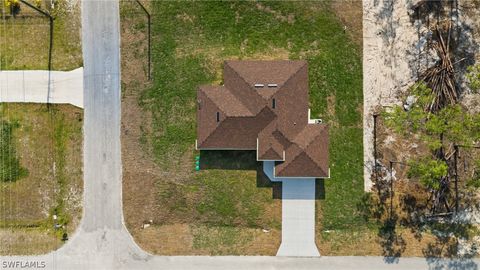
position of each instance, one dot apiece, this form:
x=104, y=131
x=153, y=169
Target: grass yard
x=24, y=40
x=224, y=211
x=48, y=148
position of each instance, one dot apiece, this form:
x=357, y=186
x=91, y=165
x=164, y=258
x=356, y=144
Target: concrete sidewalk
x=32, y=86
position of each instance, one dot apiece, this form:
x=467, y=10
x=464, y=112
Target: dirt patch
x=184, y=17
x=350, y=13
x=169, y=239
x=397, y=50
x=368, y=242
x=27, y=241
x=332, y=117
x=289, y=18
x=139, y=170
x=175, y=239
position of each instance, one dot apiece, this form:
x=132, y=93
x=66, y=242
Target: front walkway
x=298, y=214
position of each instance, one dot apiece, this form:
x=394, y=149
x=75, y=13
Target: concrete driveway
x=298, y=214
x=42, y=86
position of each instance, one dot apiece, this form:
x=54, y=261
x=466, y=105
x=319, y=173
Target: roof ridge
x=305, y=127
x=295, y=157
x=211, y=100
x=293, y=75
x=272, y=149
x=310, y=158
x=225, y=89
x=303, y=150
x=248, y=85
x=277, y=142
x=220, y=109
x=243, y=79
x=314, y=138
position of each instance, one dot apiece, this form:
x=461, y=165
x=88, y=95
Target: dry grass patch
x=45, y=140
x=350, y=13
x=185, y=239
x=27, y=241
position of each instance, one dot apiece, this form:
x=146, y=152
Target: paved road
x=102, y=241
x=66, y=87
x=102, y=235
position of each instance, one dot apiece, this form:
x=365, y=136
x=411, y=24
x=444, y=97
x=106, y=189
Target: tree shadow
x=392, y=242
x=444, y=252
x=414, y=211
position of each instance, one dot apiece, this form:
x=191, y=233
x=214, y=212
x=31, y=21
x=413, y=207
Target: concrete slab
x=40, y=86
x=298, y=218
x=298, y=214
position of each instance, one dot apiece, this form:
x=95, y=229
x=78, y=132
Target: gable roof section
x=226, y=101
x=238, y=132
x=273, y=73
x=308, y=154
x=302, y=166
x=268, y=147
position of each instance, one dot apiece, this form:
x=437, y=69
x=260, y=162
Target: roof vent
x=272, y=85
x=258, y=85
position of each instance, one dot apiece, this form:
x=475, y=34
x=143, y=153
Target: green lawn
x=191, y=41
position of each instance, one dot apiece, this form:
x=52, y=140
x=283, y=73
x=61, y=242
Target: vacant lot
x=48, y=145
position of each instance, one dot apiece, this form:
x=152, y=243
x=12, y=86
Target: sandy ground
x=394, y=49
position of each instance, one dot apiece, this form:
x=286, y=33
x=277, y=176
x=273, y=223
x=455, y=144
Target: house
x=264, y=106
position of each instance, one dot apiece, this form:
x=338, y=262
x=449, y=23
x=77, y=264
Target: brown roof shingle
x=226, y=101
x=310, y=145
x=239, y=114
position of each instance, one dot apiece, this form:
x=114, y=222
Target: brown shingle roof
x=226, y=101
x=266, y=72
x=246, y=114
x=308, y=154
x=268, y=147
x=237, y=132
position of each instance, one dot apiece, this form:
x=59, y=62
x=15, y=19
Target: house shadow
x=228, y=159
x=247, y=160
